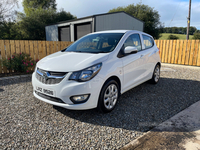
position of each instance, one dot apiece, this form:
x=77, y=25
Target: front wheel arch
x=101, y=105
x=116, y=79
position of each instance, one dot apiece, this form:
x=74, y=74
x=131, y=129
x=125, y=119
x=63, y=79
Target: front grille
x=51, y=77
x=54, y=99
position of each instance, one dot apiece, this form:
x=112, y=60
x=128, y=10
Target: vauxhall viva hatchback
x=93, y=71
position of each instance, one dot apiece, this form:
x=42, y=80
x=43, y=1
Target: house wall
x=117, y=21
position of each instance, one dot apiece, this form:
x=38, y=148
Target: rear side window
x=148, y=41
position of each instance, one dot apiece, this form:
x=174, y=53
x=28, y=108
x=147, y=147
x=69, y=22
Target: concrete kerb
x=177, y=65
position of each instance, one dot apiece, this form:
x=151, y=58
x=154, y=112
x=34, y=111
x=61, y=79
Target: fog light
x=80, y=98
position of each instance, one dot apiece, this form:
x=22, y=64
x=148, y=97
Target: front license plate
x=45, y=91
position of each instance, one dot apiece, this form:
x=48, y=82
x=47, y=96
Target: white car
x=96, y=69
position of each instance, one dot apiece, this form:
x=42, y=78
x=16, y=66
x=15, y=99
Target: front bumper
x=67, y=88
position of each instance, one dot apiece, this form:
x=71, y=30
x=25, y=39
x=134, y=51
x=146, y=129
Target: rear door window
x=133, y=40
x=148, y=41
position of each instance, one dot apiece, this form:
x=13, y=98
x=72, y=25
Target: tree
x=7, y=21
x=8, y=30
x=175, y=30
x=6, y=8
x=146, y=14
x=31, y=24
x=192, y=30
x=33, y=5
x=168, y=30
x=32, y=27
x=196, y=35
x=38, y=14
x=184, y=30
x=179, y=30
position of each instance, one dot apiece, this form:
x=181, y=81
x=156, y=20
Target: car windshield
x=96, y=43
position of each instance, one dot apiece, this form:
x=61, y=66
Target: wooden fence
x=185, y=52
x=36, y=49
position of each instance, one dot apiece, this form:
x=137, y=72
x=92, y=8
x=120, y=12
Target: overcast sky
x=172, y=12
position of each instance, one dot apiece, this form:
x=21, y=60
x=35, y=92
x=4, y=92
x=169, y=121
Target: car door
x=148, y=50
x=132, y=63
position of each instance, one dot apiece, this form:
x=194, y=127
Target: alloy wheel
x=110, y=96
x=157, y=73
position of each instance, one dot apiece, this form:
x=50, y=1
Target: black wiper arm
x=74, y=51
x=63, y=50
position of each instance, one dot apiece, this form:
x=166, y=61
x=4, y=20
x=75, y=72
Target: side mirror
x=130, y=49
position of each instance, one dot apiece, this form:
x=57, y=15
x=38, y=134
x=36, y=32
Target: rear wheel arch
x=159, y=64
x=156, y=74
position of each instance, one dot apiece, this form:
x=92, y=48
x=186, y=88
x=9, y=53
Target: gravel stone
x=28, y=123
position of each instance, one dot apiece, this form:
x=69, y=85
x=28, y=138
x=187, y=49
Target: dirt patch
x=162, y=140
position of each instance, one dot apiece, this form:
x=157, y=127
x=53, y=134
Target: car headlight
x=86, y=74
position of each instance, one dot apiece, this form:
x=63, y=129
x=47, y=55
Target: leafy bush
x=19, y=62
x=172, y=37
x=196, y=36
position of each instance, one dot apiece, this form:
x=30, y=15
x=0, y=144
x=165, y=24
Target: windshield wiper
x=75, y=51
x=64, y=50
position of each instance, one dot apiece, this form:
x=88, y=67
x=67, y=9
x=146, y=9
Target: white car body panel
x=131, y=71
x=70, y=61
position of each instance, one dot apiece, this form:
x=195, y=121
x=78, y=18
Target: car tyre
x=156, y=75
x=108, y=96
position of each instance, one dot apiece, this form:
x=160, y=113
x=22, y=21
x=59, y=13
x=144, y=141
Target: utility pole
x=188, y=21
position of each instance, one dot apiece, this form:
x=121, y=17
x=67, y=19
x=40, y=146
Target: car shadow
x=1, y=90
x=145, y=106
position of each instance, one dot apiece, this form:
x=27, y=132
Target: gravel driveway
x=28, y=123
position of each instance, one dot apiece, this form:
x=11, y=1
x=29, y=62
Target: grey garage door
x=82, y=29
x=64, y=34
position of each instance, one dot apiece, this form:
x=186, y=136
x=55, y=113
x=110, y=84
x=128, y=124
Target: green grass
x=181, y=36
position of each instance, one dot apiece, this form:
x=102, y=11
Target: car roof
x=120, y=31
x=117, y=31
x=112, y=31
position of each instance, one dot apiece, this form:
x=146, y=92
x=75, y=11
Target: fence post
x=177, y=52
x=22, y=46
x=170, y=51
x=191, y=53
x=198, y=53
x=36, y=50
x=173, y=55
x=184, y=52
x=3, y=56
x=188, y=52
